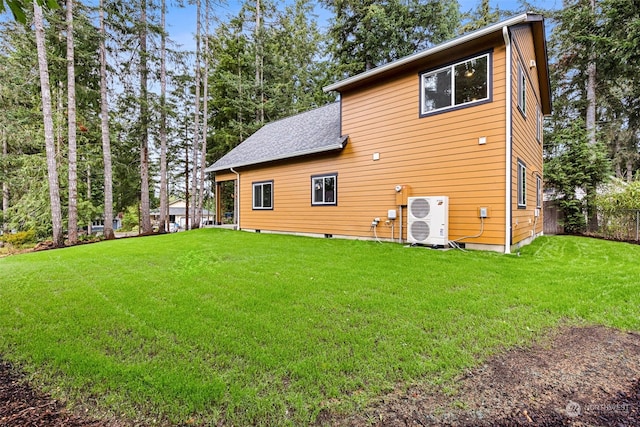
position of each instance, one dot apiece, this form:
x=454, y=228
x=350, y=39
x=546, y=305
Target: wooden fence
x=552, y=218
x=619, y=225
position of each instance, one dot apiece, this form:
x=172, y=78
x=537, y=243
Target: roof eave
x=525, y=17
x=543, y=69
x=334, y=147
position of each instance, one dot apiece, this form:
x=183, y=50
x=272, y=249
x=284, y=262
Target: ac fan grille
x=420, y=208
x=419, y=230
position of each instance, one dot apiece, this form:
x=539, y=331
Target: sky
x=181, y=21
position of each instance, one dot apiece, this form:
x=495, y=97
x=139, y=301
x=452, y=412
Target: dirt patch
x=587, y=376
x=21, y=405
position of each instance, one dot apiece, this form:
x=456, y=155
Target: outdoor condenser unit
x=427, y=220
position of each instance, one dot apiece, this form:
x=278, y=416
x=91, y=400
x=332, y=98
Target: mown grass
x=255, y=329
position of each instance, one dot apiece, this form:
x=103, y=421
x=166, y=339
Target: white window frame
x=260, y=205
x=451, y=69
x=538, y=191
x=538, y=125
x=320, y=180
x=522, y=184
x=522, y=90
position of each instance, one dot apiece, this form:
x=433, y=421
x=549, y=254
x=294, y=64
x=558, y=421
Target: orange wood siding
x=526, y=147
x=433, y=155
x=225, y=176
x=524, y=51
x=438, y=154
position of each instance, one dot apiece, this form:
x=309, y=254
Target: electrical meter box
x=402, y=193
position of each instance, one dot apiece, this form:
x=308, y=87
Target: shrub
x=20, y=238
x=130, y=219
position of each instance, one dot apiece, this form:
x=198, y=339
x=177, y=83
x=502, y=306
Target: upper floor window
x=458, y=84
x=263, y=195
x=538, y=125
x=522, y=90
x=324, y=189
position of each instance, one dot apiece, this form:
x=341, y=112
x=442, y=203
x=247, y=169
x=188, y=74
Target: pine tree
x=619, y=53
x=164, y=199
x=482, y=16
x=263, y=75
x=47, y=113
x=72, y=142
x=104, y=131
x=145, y=206
x=5, y=182
x=196, y=125
x=205, y=117
x=574, y=52
x=366, y=34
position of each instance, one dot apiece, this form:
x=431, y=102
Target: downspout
x=237, y=196
x=508, y=152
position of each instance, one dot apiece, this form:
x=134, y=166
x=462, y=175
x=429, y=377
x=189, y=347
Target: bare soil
x=580, y=376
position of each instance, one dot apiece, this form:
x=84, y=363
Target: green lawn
x=264, y=329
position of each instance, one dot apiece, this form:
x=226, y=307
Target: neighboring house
x=97, y=226
x=462, y=119
x=178, y=214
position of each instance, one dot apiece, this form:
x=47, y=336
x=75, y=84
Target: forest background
x=106, y=115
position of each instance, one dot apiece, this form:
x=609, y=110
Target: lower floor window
x=324, y=189
x=263, y=195
x=538, y=192
x=522, y=184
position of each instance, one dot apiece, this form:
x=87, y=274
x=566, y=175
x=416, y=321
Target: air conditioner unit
x=427, y=220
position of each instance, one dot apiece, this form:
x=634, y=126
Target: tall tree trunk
x=616, y=159
x=164, y=200
x=259, y=64
x=186, y=186
x=104, y=126
x=90, y=222
x=239, y=115
x=145, y=208
x=196, y=123
x=205, y=115
x=590, y=122
x=71, y=111
x=47, y=115
x=5, y=184
x=59, y=118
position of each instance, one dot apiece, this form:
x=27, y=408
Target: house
x=97, y=225
x=456, y=128
x=178, y=214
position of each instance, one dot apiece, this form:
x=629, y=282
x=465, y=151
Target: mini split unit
x=428, y=219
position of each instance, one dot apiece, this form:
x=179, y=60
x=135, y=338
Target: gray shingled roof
x=314, y=131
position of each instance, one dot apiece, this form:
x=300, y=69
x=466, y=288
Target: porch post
x=218, y=198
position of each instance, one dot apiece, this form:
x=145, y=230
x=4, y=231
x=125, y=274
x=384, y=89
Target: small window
x=522, y=90
x=538, y=125
x=538, y=192
x=324, y=189
x=462, y=83
x=263, y=195
x=522, y=185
